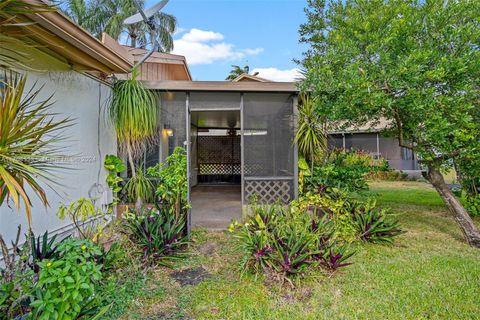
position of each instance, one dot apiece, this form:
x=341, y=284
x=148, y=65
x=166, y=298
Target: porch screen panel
x=397, y=157
x=268, y=147
x=214, y=100
x=173, y=116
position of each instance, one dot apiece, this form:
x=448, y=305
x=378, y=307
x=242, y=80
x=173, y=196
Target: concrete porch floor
x=215, y=206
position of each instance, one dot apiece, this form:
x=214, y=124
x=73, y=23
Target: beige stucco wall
x=90, y=138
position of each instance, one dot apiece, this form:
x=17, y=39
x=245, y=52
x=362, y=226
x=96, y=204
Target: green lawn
x=430, y=273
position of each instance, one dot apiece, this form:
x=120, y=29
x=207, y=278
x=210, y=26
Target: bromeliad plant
x=29, y=134
x=374, y=225
x=160, y=236
x=286, y=242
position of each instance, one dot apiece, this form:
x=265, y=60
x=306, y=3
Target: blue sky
x=214, y=34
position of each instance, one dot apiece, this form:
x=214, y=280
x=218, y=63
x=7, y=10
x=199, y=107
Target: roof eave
x=61, y=26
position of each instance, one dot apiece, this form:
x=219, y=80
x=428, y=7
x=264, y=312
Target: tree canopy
x=412, y=63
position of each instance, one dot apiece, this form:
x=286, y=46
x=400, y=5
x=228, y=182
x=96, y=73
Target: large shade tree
x=414, y=63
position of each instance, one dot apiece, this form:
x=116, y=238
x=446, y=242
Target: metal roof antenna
x=147, y=17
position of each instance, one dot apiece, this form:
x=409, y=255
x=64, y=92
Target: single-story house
x=238, y=134
x=369, y=138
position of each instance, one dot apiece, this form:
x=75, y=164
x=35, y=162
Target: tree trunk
x=139, y=203
x=469, y=229
x=133, y=40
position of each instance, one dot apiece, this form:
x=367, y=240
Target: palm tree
x=29, y=136
x=310, y=136
x=108, y=16
x=237, y=71
x=133, y=112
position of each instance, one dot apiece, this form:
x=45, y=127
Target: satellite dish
x=147, y=14
x=147, y=17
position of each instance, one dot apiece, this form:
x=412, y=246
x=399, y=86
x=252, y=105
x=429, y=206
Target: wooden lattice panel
x=219, y=155
x=219, y=168
x=269, y=191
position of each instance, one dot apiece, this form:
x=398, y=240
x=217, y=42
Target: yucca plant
x=29, y=137
x=310, y=136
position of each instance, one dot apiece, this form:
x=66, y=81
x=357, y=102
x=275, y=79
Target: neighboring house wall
x=83, y=99
x=388, y=148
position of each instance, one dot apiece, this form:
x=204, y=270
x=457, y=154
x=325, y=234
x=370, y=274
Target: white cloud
x=206, y=47
x=197, y=35
x=275, y=74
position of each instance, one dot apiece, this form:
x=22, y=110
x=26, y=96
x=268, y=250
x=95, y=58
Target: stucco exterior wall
x=82, y=99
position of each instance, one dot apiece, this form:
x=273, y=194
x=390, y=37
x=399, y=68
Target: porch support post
x=295, y=147
x=242, y=149
x=378, y=146
x=187, y=128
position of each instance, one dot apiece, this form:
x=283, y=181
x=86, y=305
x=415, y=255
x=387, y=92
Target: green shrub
x=471, y=203
x=114, y=165
x=67, y=286
x=346, y=170
x=335, y=206
x=172, y=182
x=159, y=234
x=89, y=220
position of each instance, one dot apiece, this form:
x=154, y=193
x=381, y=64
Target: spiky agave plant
x=29, y=137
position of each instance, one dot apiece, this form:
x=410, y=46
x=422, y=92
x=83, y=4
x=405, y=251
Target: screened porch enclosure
x=243, y=138
x=242, y=141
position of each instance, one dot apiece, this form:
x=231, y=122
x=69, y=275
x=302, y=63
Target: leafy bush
x=346, y=170
x=159, y=234
x=172, y=182
x=286, y=241
x=334, y=206
x=66, y=287
x=114, y=165
x=88, y=219
x=374, y=225
x=472, y=204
